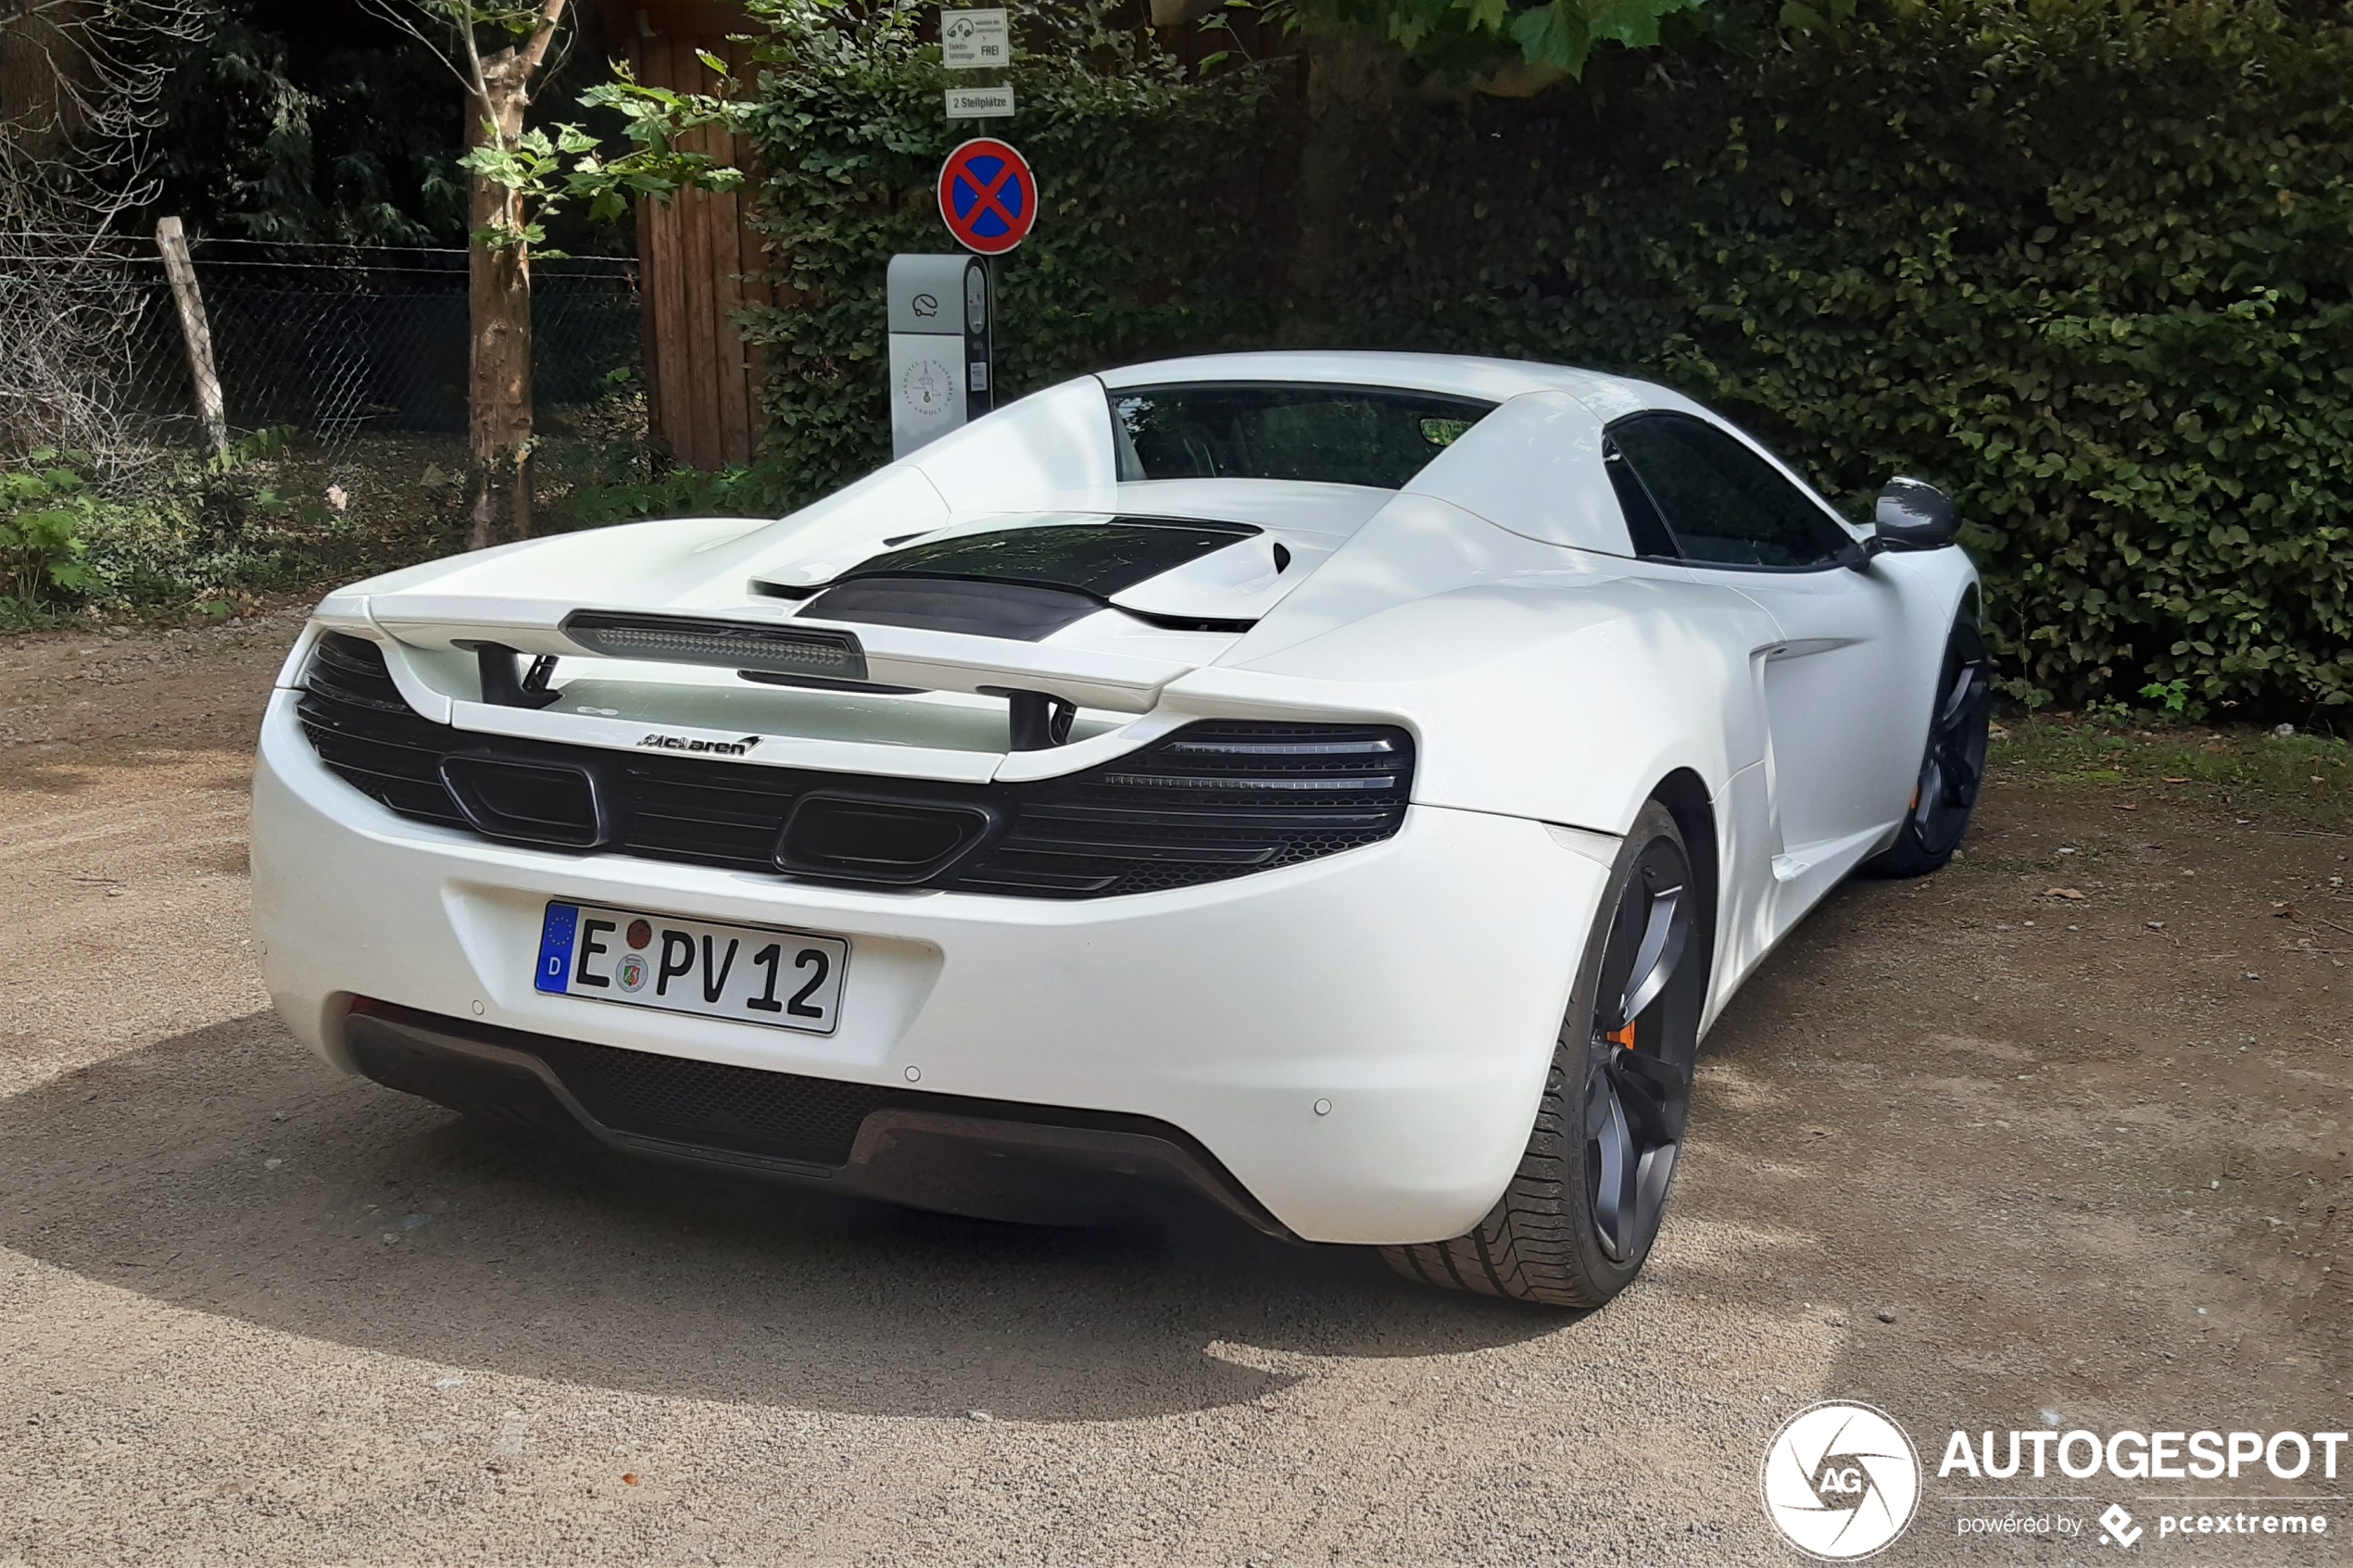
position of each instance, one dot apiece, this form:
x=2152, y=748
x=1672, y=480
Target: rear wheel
x=1953, y=767
x=1577, y=1222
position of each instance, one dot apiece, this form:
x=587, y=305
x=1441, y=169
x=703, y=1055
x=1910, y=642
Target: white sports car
x=1343, y=785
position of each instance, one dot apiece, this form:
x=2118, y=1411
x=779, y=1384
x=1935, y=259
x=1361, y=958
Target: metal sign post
x=942, y=321
x=943, y=308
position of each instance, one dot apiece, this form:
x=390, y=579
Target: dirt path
x=1979, y=1154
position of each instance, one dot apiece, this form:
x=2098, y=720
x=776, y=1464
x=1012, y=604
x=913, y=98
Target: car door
x=1834, y=706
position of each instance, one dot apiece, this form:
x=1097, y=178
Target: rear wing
x=753, y=638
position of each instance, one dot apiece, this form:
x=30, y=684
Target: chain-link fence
x=337, y=341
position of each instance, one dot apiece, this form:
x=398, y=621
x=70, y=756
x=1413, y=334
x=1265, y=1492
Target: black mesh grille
x=782, y=1115
x=1213, y=800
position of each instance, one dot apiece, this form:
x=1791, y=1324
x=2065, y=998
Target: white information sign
x=980, y=103
x=975, y=41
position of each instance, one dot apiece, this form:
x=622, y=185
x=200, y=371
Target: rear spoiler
x=752, y=638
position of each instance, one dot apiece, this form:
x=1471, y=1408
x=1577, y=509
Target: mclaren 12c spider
x=1345, y=786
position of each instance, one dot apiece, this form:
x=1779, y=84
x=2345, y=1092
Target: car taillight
x=1215, y=799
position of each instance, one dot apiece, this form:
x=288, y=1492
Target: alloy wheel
x=1638, y=1081
x=1954, y=765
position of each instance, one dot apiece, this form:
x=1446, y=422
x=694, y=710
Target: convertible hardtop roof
x=1457, y=375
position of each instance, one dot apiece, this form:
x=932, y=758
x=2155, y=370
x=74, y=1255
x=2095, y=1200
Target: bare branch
x=87, y=81
x=410, y=16
x=84, y=102
x=477, y=80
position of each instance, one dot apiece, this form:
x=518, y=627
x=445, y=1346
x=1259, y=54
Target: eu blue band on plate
x=555, y=947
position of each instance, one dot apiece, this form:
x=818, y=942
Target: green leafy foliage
x=1557, y=35
x=2172, y=698
x=729, y=492
x=653, y=120
x=551, y=168
x=290, y=123
x=1153, y=231
x=2081, y=263
x=44, y=505
x=211, y=537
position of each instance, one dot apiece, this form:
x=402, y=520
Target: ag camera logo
x=1841, y=1481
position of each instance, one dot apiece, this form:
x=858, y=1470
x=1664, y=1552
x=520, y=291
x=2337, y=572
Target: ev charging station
x=943, y=308
x=942, y=321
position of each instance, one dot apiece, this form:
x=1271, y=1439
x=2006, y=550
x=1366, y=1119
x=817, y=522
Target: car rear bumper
x=990, y=1159
x=1354, y=1046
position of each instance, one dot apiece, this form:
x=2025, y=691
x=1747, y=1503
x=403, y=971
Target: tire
x=1952, y=766
x=1578, y=1218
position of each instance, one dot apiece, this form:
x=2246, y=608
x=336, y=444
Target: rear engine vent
x=1209, y=802
x=1024, y=611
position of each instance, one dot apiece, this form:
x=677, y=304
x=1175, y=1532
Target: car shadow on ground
x=226, y=1171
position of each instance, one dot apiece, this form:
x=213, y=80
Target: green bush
x=2082, y=262
x=729, y=492
x=182, y=534
x=45, y=507
x=1148, y=239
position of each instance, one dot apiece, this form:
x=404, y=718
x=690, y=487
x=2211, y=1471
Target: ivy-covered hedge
x=2084, y=262
x=1143, y=245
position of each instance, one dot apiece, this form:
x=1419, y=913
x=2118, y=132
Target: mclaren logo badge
x=660, y=741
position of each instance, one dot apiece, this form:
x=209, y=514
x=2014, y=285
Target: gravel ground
x=1978, y=1154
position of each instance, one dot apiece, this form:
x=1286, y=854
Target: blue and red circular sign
x=987, y=196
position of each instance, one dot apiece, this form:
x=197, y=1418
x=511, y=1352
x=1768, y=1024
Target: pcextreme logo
x=1839, y=1481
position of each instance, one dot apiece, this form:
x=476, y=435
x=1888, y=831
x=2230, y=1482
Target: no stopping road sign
x=988, y=195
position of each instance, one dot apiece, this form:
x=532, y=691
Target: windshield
x=1375, y=436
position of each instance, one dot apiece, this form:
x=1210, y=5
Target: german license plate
x=753, y=974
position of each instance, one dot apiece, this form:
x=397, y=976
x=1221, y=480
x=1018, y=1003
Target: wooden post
x=172, y=241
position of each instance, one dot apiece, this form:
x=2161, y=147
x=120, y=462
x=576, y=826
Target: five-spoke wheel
x=1638, y=1089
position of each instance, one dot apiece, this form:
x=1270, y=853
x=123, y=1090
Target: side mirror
x=1914, y=515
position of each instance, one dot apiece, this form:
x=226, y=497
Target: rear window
x=1379, y=437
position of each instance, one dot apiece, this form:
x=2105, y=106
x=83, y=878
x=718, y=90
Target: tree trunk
x=499, y=311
